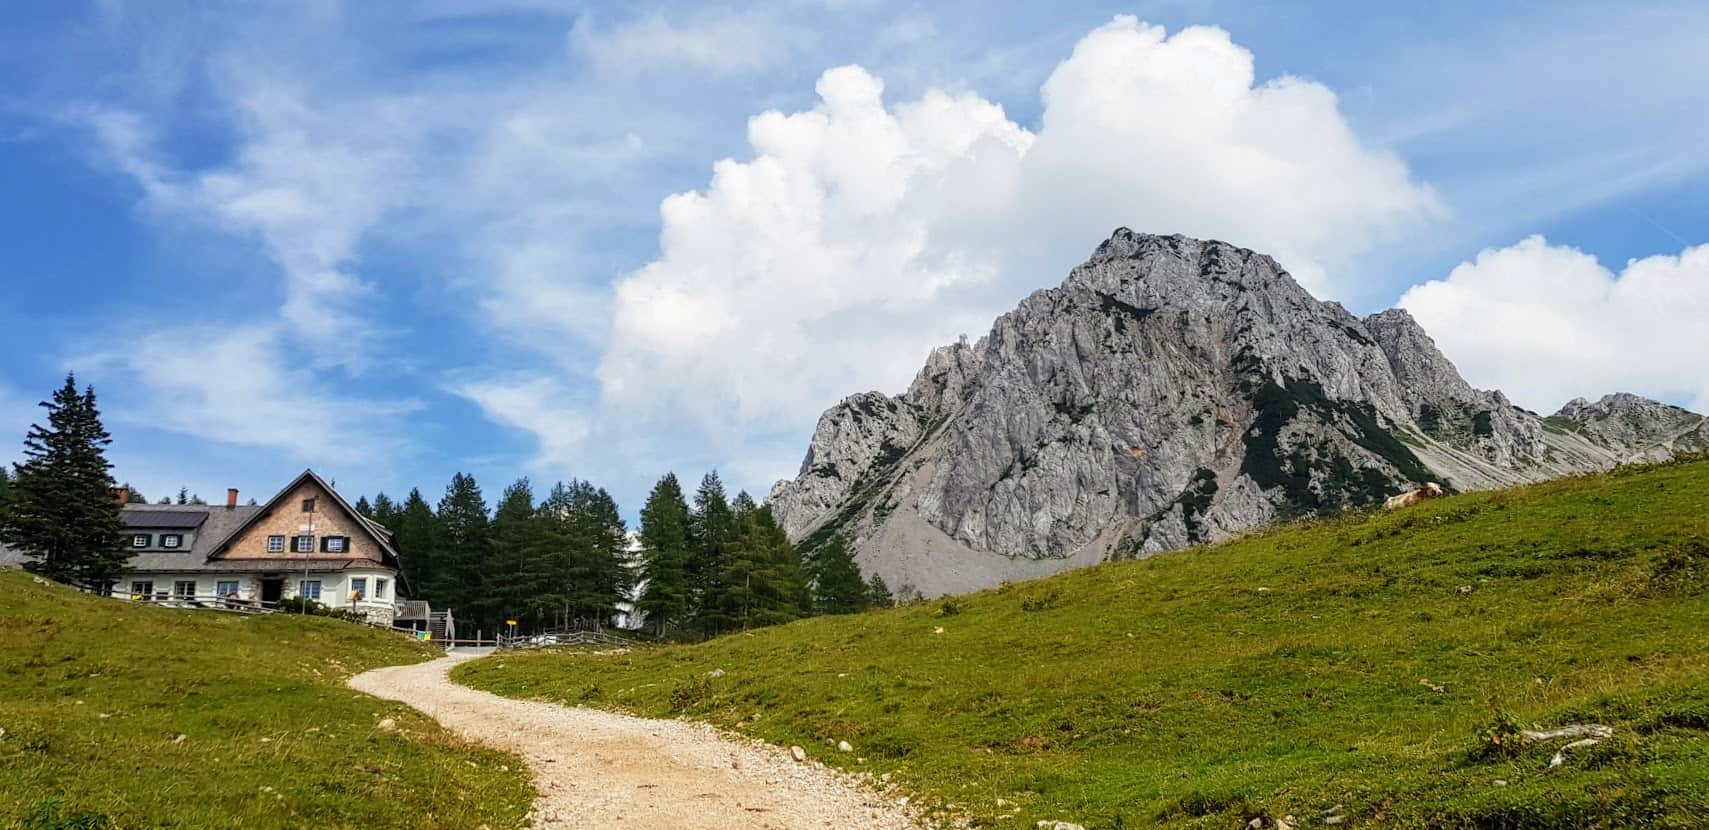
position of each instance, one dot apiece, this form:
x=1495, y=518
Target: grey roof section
x=182, y=518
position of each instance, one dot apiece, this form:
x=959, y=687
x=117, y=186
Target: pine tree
x=386, y=512
x=183, y=495
x=364, y=508
x=764, y=579
x=878, y=594
x=417, y=542
x=665, y=555
x=837, y=584
x=513, y=578
x=5, y=492
x=712, y=525
x=462, y=548
x=63, y=512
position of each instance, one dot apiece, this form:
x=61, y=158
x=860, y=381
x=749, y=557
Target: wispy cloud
x=717, y=41
x=235, y=385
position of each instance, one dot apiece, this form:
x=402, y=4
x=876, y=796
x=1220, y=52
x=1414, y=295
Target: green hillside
x=1362, y=667
x=119, y=715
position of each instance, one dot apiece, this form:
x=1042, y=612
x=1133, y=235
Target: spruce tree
x=665, y=556
x=462, y=549
x=63, y=513
x=386, y=512
x=513, y=577
x=711, y=526
x=183, y=495
x=613, y=578
x=765, y=583
x=417, y=541
x=837, y=584
x=878, y=594
x=364, y=508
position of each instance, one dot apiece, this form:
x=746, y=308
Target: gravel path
x=598, y=769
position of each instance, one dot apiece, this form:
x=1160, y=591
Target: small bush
x=690, y=694
x=1499, y=738
x=950, y=607
x=1042, y=602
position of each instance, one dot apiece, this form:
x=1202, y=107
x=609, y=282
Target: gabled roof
x=388, y=554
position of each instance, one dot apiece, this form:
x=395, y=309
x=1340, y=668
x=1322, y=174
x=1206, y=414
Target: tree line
x=717, y=566
x=725, y=565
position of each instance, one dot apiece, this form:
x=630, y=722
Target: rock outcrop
x=1171, y=392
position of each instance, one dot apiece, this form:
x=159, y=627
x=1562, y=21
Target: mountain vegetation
x=1370, y=669
x=117, y=716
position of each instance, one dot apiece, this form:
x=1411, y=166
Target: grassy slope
x=1284, y=672
x=93, y=694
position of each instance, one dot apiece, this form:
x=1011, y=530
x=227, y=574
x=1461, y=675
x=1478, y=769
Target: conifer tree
x=5, y=490
x=462, y=548
x=837, y=584
x=363, y=507
x=712, y=525
x=665, y=556
x=63, y=513
x=513, y=579
x=418, y=546
x=878, y=594
x=386, y=512
x=765, y=583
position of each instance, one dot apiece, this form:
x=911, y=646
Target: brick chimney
x=123, y=494
x=230, y=497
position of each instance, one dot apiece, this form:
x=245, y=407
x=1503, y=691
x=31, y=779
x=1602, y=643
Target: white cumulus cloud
x=1548, y=323
x=862, y=232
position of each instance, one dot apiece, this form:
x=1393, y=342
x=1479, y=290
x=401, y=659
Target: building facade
x=306, y=542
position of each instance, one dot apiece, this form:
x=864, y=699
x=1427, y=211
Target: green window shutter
x=323, y=540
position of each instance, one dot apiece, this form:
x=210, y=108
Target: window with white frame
x=275, y=544
x=226, y=588
x=171, y=540
x=141, y=540
x=141, y=590
x=379, y=588
x=337, y=544
x=309, y=589
x=305, y=544
x=184, y=589
x=358, y=587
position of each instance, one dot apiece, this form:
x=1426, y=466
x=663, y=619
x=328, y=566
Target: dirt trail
x=598, y=769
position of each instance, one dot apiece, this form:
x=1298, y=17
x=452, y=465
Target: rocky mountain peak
x=1171, y=391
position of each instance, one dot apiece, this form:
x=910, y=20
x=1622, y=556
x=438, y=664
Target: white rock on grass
x=798, y=754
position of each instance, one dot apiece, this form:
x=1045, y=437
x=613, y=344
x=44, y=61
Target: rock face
x=1171, y=392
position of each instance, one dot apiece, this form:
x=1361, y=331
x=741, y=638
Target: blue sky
x=392, y=241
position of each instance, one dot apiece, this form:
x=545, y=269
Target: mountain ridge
x=1171, y=392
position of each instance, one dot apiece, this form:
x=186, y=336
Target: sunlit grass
x=118, y=715
x=1352, y=663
